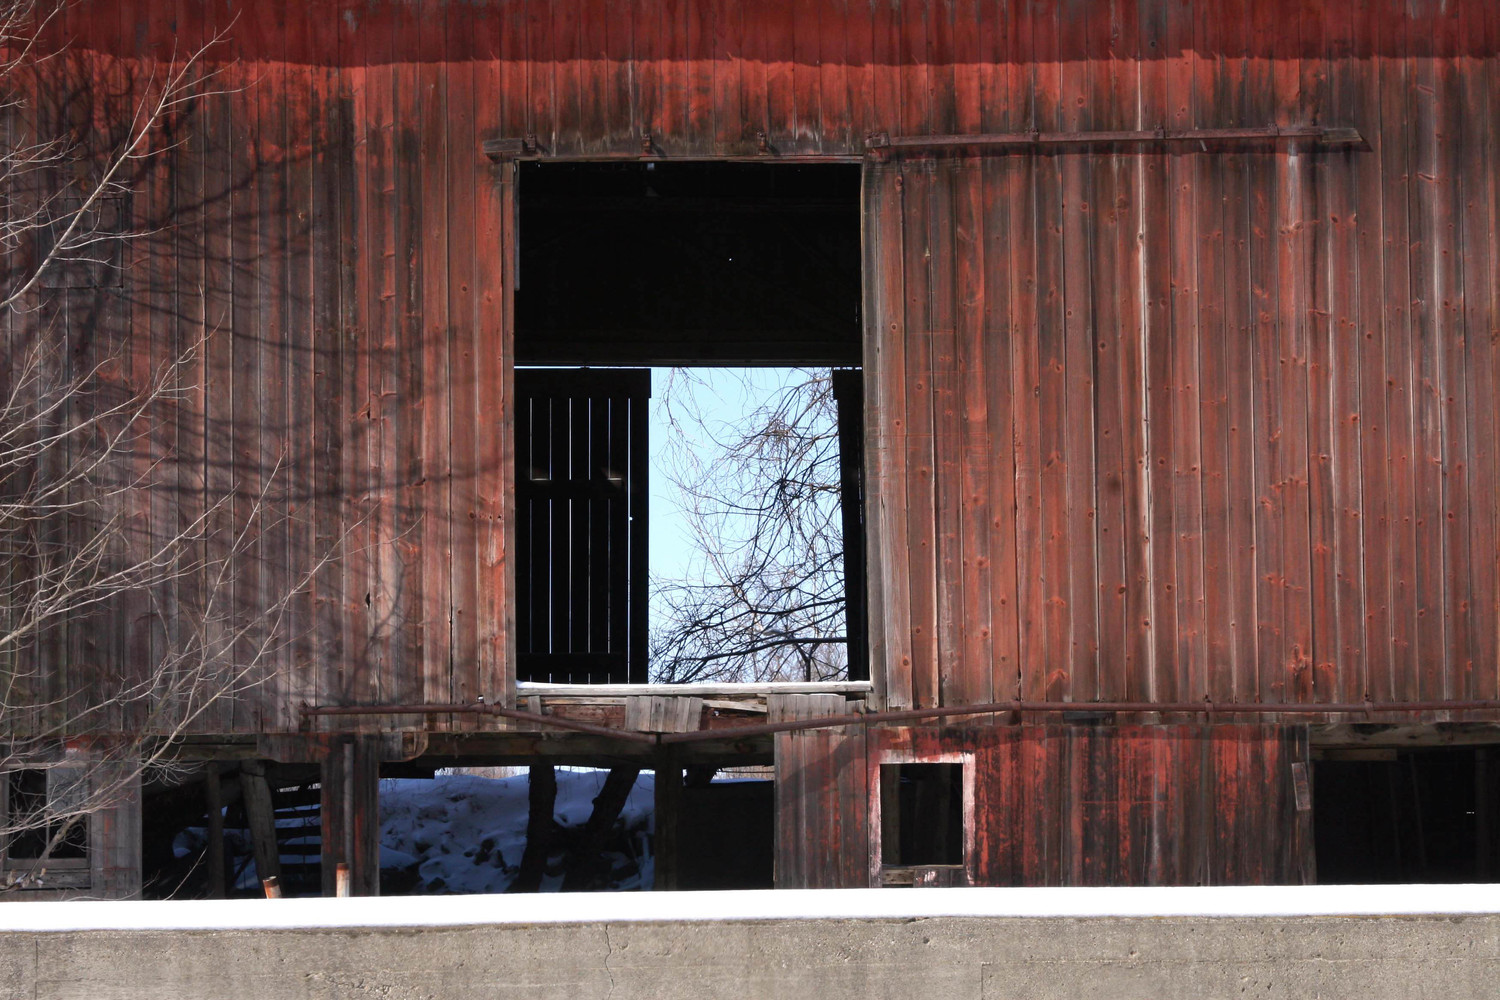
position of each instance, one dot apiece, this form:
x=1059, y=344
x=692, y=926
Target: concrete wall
x=1117, y=958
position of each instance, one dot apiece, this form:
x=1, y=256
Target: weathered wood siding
x=1141, y=424
x=1184, y=423
x=1064, y=805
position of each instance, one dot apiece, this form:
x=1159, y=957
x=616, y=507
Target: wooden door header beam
x=882, y=143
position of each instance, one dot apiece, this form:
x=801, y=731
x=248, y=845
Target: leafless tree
x=80, y=454
x=763, y=597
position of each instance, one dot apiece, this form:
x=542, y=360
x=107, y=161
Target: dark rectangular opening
x=684, y=266
x=1408, y=815
x=688, y=264
x=32, y=793
x=921, y=815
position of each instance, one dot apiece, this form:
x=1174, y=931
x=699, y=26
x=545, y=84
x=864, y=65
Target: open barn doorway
x=657, y=303
x=1413, y=814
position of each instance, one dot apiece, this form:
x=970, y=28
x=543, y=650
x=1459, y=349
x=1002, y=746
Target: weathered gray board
x=1370, y=958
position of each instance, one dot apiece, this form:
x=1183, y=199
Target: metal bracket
x=525, y=147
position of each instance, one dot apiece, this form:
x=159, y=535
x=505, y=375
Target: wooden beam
x=261, y=815
x=607, y=807
x=541, y=799
x=214, y=803
x=114, y=832
x=668, y=810
x=351, y=814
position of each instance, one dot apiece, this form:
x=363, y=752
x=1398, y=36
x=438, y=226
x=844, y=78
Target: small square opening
x=33, y=794
x=921, y=815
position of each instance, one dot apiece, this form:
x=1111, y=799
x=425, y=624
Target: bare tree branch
x=82, y=454
x=763, y=598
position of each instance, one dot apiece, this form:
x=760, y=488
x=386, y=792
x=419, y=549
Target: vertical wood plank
x=595, y=110
x=947, y=443
x=473, y=98
x=331, y=170
x=346, y=676
x=273, y=476
x=698, y=60
x=921, y=516
x=1156, y=208
x=1127, y=85
x=1213, y=676
x=911, y=64
x=1457, y=131
x=1109, y=199
x=569, y=78
x=1294, y=208
x=732, y=131
x=1395, y=116
x=806, y=30
x=508, y=41
x=442, y=206
x=975, y=669
x=1184, y=586
x=1240, y=345
x=1079, y=330
x=306, y=110
x=776, y=26
x=1342, y=216
x=1374, y=418
x=1476, y=74
x=1052, y=397
x=884, y=199
x=1262, y=196
x=885, y=65
x=248, y=402
x=1431, y=211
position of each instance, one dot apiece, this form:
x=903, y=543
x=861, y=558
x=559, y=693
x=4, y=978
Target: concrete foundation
x=1078, y=958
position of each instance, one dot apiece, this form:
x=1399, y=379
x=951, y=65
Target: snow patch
x=462, y=834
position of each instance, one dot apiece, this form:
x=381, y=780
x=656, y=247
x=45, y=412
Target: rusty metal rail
x=880, y=143
x=1016, y=707
x=481, y=708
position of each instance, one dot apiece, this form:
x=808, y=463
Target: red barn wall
x=1063, y=805
x=1142, y=424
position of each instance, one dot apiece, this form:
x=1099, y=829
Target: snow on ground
x=461, y=834
x=465, y=834
x=758, y=904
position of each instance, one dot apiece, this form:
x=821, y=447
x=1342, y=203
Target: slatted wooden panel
x=581, y=496
x=1142, y=424
x=1068, y=805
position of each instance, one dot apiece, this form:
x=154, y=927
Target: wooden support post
x=668, y=809
x=213, y=795
x=114, y=831
x=351, y=814
x=1484, y=816
x=541, y=799
x=262, y=817
x=586, y=867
